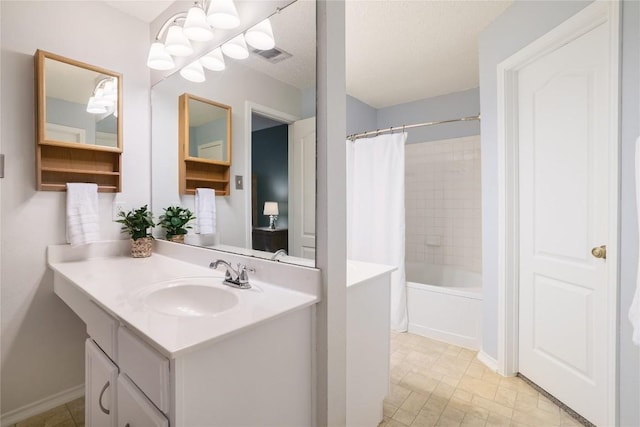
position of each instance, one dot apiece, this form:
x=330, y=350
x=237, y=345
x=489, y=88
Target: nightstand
x=266, y=239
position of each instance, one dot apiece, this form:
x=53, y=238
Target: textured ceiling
x=402, y=51
x=397, y=51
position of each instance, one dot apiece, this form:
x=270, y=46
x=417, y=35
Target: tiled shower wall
x=442, y=202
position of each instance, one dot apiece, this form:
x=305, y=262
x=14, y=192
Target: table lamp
x=271, y=209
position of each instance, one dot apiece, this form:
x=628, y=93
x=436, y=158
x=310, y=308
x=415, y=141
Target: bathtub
x=445, y=303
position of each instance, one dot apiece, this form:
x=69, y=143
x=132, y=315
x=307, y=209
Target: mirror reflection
x=272, y=98
x=209, y=129
x=81, y=104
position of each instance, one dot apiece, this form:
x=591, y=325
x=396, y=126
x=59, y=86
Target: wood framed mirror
x=78, y=124
x=204, y=144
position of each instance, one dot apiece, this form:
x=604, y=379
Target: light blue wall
x=522, y=23
x=72, y=114
x=215, y=130
x=445, y=107
x=360, y=116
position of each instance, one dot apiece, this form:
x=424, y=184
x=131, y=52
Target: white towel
x=205, y=211
x=634, y=311
x=82, y=213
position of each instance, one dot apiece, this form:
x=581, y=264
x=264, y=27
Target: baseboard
x=40, y=406
x=488, y=361
x=472, y=343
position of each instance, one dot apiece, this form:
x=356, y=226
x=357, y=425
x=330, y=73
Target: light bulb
x=260, y=36
x=193, y=72
x=159, y=58
x=236, y=48
x=213, y=60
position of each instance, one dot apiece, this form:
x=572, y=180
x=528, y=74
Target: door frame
x=590, y=17
x=272, y=113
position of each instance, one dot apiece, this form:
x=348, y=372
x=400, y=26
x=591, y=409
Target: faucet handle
x=242, y=272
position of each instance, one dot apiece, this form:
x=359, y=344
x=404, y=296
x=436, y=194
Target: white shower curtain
x=375, y=211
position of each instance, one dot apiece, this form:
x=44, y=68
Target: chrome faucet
x=235, y=278
x=278, y=253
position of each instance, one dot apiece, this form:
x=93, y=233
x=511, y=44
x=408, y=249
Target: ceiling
x=397, y=50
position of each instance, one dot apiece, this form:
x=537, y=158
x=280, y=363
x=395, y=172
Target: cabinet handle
x=102, y=408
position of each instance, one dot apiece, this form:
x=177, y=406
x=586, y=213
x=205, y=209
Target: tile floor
x=70, y=414
x=432, y=384
x=437, y=384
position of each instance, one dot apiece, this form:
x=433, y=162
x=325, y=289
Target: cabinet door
x=134, y=409
x=100, y=383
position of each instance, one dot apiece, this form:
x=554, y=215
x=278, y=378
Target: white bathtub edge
x=470, y=343
x=488, y=361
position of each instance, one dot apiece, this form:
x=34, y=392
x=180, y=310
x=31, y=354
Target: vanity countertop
x=114, y=281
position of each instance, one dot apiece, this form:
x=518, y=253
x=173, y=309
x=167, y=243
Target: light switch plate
x=239, y=184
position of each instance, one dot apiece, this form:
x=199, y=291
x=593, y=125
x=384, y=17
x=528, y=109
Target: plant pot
x=141, y=248
x=176, y=238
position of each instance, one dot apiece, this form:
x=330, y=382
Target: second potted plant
x=138, y=223
x=175, y=222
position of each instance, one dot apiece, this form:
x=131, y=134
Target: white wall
x=42, y=340
x=234, y=86
x=522, y=23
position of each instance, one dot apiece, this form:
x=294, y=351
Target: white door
x=302, y=188
x=563, y=141
x=100, y=387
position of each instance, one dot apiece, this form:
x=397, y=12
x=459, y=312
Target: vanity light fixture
x=104, y=97
x=196, y=26
x=177, y=43
x=236, y=48
x=260, y=36
x=213, y=60
x=193, y=72
x=223, y=14
x=159, y=58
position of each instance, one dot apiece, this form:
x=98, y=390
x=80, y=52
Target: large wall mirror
x=271, y=96
x=79, y=123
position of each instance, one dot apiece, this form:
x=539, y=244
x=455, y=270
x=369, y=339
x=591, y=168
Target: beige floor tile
x=397, y=395
x=462, y=395
x=59, y=416
x=536, y=418
x=395, y=423
x=568, y=421
x=469, y=408
x=405, y=417
x=388, y=409
x=492, y=406
x=472, y=421
x=419, y=383
x=479, y=387
x=475, y=371
x=452, y=381
x=451, y=417
x=526, y=402
x=76, y=409
x=547, y=405
x=491, y=377
x=506, y=397
x=496, y=420
x=444, y=391
x=414, y=402
x=426, y=419
x=435, y=405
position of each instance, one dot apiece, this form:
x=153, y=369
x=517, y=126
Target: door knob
x=600, y=252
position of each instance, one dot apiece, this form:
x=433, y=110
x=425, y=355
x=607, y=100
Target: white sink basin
x=191, y=298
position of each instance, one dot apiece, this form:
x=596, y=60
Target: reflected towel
x=205, y=211
x=82, y=213
x=634, y=311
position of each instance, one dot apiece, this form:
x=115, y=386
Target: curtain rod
x=402, y=128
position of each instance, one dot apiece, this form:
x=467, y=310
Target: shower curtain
x=375, y=211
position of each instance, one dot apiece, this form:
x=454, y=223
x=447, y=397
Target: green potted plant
x=175, y=222
x=138, y=223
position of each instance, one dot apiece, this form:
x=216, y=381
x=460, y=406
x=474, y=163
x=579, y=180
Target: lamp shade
x=236, y=48
x=94, y=108
x=159, y=58
x=270, y=208
x=213, y=60
x=177, y=44
x=196, y=27
x=193, y=72
x=111, y=89
x=223, y=14
x=260, y=36
x=99, y=99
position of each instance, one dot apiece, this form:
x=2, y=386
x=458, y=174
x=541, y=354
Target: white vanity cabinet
x=134, y=410
x=101, y=376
